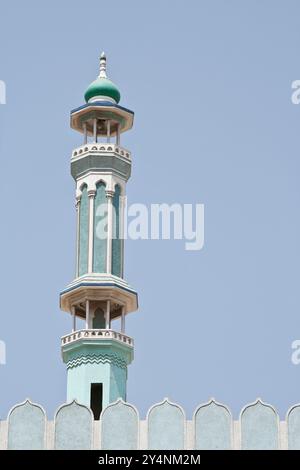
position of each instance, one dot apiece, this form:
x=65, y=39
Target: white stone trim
x=102, y=98
x=143, y=435
x=96, y=444
x=283, y=435
x=50, y=435
x=236, y=425
x=190, y=435
x=3, y=435
x=290, y=410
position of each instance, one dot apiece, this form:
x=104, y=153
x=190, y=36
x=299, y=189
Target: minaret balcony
x=94, y=335
x=103, y=148
x=96, y=288
x=101, y=157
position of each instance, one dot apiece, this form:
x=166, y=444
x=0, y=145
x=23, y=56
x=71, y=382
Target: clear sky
x=210, y=84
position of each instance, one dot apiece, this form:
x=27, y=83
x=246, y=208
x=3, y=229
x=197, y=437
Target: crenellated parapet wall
x=165, y=428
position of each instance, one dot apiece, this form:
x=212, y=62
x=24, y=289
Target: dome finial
x=102, y=73
x=102, y=89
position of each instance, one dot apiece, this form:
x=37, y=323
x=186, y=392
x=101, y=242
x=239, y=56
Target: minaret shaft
x=96, y=355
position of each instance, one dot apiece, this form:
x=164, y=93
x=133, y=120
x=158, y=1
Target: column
x=118, y=134
x=91, y=195
x=108, y=131
x=107, y=316
x=84, y=133
x=87, y=315
x=123, y=321
x=74, y=319
x=109, y=195
x=122, y=227
x=77, y=234
x=95, y=130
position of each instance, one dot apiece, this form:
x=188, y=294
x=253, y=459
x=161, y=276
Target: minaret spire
x=102, y=73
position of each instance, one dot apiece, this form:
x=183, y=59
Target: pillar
x=108, y=131
x=123, y=321
x=87, y=315
x=95, y=130
x=77, y=234
x=74, y=319
x=118, y=134
x=107, y=316
x=109, y=195
x=91, y=195
x=84, y=133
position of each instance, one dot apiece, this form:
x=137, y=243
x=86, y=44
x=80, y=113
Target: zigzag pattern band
x=97, y=359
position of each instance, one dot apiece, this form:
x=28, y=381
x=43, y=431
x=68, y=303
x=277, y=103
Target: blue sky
x=210, y=84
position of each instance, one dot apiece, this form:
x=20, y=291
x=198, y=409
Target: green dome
x=102, y=87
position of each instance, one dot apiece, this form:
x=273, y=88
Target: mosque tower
x=97, y=355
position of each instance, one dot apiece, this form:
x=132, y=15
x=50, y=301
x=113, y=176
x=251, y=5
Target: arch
x=117, y=241
x=82, y=187
x=26, y=427
x=98, y=319
x=259, y=427
x=83, y=231
x=213, y=426
x=166, y=426
x=118, y=187
x=73, y=427
x=119, y=426
x=100, y=181
x=100, y=229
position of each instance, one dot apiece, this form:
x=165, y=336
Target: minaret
x=97, y=355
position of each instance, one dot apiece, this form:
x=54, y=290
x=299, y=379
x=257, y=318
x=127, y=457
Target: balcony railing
x=96, y=334
x=103, y=148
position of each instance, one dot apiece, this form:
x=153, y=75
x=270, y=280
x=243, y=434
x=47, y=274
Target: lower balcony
x=97, y=334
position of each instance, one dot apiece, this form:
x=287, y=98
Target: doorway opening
x=96, y=399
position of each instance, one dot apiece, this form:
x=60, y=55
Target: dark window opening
x=96, y=400
x=99, y=320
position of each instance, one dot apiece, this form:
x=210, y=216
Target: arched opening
x=99, y=319
x=100, y=229
x=117, y=241
x=96, y=399
x=83, y=231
